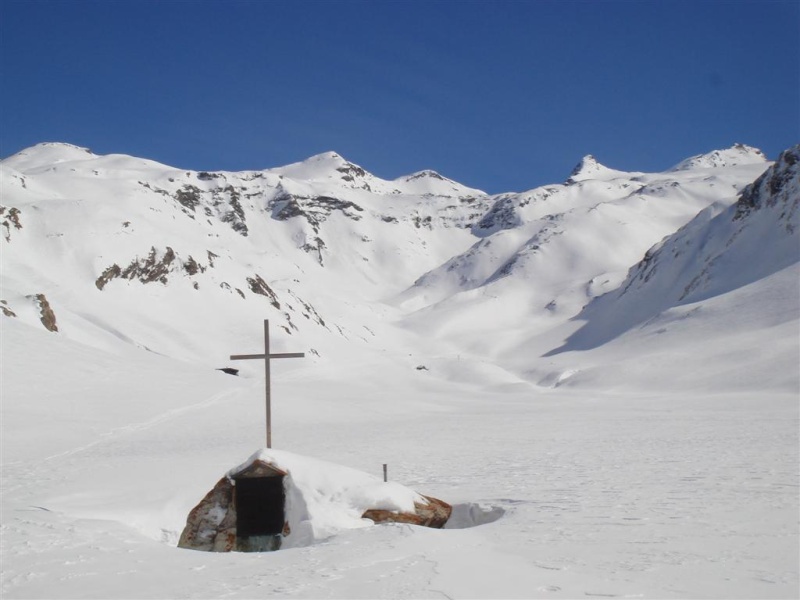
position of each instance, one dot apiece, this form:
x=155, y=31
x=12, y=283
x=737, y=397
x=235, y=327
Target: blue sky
x=503, y=96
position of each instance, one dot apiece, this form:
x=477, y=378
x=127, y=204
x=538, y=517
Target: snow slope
x=721, y=250
x=731, y=273
x=606, y=425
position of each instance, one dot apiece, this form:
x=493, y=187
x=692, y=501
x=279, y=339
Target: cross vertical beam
x=268, y=383
x=267, y=356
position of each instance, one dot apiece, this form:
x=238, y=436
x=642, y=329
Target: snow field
x=639, y=444
x=663, y=495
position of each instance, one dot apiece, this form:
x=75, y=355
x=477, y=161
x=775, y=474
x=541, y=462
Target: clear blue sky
x=502, y=96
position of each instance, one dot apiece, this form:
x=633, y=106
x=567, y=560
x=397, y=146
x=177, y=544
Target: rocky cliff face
x=778, y=187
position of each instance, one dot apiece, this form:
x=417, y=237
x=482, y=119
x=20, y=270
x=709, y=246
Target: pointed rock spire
x=587, y=168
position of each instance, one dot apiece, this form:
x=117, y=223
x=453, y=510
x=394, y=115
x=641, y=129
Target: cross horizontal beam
x=280, y=355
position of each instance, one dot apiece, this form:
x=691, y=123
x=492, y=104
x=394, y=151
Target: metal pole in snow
x=385, y=472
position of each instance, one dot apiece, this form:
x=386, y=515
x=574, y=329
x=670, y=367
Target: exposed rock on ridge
x=154, y=268
x=778, y=185
x=315, y=210
x=46, y=314
x=10, y=216
x=6, y=310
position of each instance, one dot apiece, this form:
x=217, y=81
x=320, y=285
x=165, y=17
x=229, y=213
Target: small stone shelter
x=277, y=498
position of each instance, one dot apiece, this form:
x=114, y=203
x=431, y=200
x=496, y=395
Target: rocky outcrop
x=420, y=222
x=188, y=197
x=259, y=286
x=155, y=268
x=110, y=273
x=211, y=525
x=506, y=212
x=433, y=514
x=780, y=184
x=10, y=216
x=230, y=209
x=6, y=310
x=46, y=314
x=502, y=215
x=315, y=246
x=308, y=311
x=314, y=209
x=353, y=174
x=151, y=269
x=222, y=201
x=427, y=173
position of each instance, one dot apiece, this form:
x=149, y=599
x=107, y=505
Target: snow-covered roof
x=257, y=468
x=323, y=498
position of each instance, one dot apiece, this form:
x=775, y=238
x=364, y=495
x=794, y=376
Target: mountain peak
x=61, y=146
x=47, y=153
x=425, y=174
x=324, y=166
x=428, y=181
x=737, y=154
x=588, y=168
x=329, y=156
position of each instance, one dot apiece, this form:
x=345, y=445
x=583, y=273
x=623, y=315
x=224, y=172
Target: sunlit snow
x=601, y=375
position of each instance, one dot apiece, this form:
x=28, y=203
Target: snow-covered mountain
x=125, y=250
x=600, y=375
x=721, y=292
x=721, y=250
x=583, y=232
x=738, y=154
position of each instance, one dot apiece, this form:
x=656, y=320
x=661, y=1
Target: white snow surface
x=601, y=376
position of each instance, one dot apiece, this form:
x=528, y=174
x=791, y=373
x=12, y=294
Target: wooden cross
x=267, y=357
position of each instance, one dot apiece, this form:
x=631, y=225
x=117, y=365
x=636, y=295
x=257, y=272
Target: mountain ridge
x=130, y=251
x=708, y=256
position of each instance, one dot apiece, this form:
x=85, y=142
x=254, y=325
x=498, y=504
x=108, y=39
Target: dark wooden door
x=259, y=506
